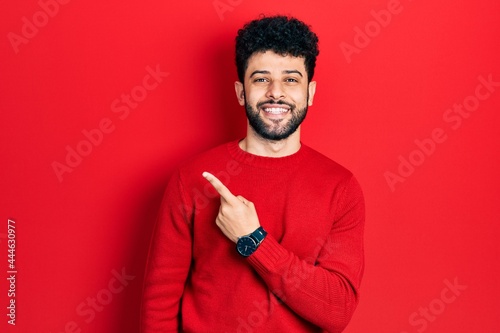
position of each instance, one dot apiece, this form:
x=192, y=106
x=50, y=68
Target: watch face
x=246, y=246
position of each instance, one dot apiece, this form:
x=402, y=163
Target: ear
x=312, y=91
x=240, y=92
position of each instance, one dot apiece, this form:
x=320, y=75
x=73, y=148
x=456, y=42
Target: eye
x=260, y=79
x=291, y=80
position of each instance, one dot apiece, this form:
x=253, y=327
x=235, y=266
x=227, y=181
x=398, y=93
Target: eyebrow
x=292, y=71
x=288, y=71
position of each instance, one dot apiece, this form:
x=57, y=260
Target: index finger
x=219, y=187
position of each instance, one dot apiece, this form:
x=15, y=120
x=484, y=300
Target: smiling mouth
x=275, y=110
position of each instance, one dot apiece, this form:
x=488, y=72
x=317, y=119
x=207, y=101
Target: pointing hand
x=237, y=216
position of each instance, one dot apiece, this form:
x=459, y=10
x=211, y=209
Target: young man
x=263, y=234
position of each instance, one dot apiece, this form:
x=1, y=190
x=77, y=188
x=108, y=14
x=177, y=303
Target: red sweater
x=305, y=275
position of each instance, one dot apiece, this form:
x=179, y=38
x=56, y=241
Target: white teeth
x=275, y=110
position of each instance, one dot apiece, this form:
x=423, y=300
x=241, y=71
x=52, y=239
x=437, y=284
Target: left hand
x=237, y=216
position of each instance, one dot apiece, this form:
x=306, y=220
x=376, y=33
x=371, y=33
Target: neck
x=257, y=145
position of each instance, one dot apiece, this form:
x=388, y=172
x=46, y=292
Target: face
x=276, y=94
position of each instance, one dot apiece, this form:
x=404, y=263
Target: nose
x=275, y=90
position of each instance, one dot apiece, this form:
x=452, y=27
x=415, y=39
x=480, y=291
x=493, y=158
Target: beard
x=280, y=128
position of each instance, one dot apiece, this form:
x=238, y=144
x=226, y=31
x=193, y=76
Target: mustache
x=279, y=102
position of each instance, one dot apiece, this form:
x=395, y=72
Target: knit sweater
x=304, y=276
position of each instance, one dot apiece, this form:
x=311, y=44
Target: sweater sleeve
x=168, y=262
x=323, y=291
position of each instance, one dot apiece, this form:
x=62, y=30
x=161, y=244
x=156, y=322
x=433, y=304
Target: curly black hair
x=280, y=34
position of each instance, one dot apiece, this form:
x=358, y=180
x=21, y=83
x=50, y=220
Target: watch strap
x=258, y=235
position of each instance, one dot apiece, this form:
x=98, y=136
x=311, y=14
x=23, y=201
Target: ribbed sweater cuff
x=268, y=256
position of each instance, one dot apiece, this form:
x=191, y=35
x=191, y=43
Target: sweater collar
x=264, y=161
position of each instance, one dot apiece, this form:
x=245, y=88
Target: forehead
x=273, y=62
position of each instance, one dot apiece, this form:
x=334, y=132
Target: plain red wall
x=429, y=226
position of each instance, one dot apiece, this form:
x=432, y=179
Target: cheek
x=253, y=97
x=299, y=98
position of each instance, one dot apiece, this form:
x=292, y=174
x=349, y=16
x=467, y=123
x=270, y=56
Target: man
x=263, y=234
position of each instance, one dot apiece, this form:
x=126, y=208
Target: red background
x=440, y=224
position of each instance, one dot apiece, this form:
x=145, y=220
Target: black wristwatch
x=246, y=245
